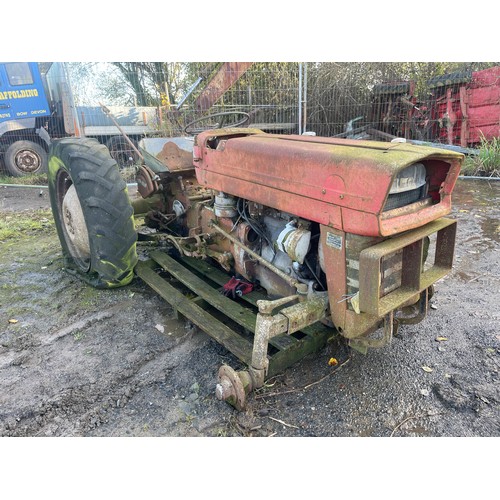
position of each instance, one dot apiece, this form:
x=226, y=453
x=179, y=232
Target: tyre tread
x=107, y=209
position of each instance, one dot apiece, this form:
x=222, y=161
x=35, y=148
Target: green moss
x=14, y=226
x=89, y=297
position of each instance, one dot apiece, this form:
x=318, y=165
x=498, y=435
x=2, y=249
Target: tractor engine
x=284, y=248
x=262, y=245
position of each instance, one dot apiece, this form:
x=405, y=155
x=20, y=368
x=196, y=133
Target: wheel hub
x=28, y=161
x=74, y=223
x=233, y=387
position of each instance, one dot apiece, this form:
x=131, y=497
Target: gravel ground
x=84, y=362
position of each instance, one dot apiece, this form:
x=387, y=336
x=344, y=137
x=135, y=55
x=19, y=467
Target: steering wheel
x=239, y=118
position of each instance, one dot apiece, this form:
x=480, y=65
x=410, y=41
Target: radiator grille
x=404, y=198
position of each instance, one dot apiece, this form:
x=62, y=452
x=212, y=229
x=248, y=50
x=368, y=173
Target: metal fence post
x=300, y=99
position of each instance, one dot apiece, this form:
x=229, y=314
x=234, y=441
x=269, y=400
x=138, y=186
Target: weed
x=221, y=433
x=78, y=335
x=189, y=418
x=487, y=162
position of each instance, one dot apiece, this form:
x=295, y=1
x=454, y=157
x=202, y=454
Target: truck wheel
x=122, y=151
x=92, y=212
x=25, y=157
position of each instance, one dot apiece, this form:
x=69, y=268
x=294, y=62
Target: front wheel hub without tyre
x=233, y=387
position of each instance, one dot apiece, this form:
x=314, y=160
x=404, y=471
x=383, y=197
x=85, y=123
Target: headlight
x=409, y=178
x=408, y=187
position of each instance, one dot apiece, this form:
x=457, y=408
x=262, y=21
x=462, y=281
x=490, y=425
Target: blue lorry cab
x=22, y=93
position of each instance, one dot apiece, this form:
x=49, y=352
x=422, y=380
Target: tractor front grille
x=404, y=198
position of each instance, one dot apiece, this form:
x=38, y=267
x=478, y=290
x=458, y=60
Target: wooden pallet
x=191, y=286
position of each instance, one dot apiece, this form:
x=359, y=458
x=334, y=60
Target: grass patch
x=28, y=180
x=17, y=225
x=487, y=162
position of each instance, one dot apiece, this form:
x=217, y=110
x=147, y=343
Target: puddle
x=479, y=200
x=476, y=192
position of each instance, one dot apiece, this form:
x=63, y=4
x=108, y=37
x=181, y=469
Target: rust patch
x=175, y=158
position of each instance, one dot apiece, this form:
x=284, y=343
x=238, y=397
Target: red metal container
x=467, y=111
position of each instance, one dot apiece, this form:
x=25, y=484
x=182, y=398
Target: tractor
x=271, y=244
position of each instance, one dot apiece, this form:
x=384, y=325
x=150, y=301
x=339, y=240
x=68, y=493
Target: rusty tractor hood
x=337, y=182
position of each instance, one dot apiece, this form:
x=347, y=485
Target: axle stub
x=233, y=387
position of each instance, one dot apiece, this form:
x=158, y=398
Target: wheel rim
x=28, y=161
x=73, y=222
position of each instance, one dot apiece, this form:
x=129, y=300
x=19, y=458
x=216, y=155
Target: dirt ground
x=75, y=361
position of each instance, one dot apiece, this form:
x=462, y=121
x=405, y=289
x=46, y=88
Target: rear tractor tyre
x=92, y=212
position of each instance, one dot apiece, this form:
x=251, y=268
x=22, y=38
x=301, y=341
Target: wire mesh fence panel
x=449, y=103
x=373, y=100
x=259, y=95
x=263, y=95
